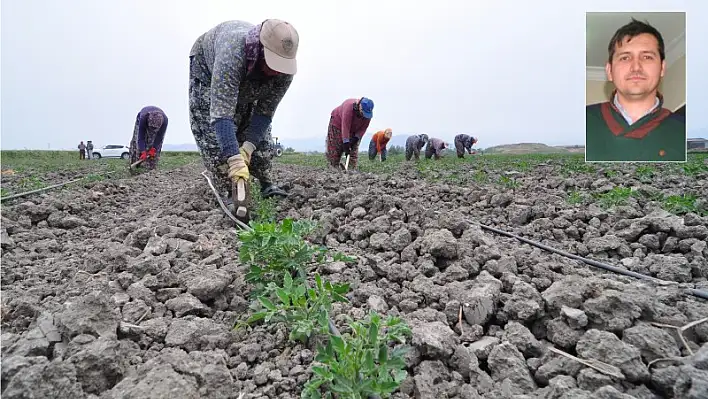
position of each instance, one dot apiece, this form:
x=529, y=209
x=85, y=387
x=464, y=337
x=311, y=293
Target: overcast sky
x=505, y=71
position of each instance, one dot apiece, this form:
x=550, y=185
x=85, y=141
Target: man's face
x=636, y=68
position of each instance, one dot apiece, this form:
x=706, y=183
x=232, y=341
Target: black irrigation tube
x=39, y=190
x=692, y=291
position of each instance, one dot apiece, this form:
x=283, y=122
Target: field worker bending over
x=148, y=135
x=414, y=144
x=378, y=144
x=435, y=147
x=238, y=74
x=464, y=142
x=347, y=126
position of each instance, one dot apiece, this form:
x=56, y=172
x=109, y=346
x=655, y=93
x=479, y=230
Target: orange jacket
x=380, y=139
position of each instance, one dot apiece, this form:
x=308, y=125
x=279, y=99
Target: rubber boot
x=270, y=190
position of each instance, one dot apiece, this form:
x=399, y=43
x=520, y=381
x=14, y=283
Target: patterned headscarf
x=253, y=47
x=155, y=121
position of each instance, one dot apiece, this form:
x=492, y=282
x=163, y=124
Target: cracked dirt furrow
x=137, y=301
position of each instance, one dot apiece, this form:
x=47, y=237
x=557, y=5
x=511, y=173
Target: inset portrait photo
x=635, y=87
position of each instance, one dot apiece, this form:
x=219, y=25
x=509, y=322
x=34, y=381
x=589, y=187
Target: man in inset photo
x=634, y=125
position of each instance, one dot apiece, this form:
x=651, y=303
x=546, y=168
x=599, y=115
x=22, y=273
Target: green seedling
x=264, y=211
x=522, y=166
x=274, y=250
x=363, y=363
x=31, y=183
x=615, y=197
x=694, y=168
x=645, y=173
x=682, y=204
x=304, y=310
x=92, y=178
x=657, y=196
x=454, y=176
x=610, y=173
x=574, y=168
x=480, y=176
x=575, y=197
x=508, y=182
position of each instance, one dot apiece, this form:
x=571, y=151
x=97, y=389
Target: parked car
x=112, y=151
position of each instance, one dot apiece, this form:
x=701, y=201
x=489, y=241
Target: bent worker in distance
x=414, y=144
x=148, y=136
x=435, y=148
x=464, y=142
x=377, y=145
x=347, y=126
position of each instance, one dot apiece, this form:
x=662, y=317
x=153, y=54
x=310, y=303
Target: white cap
x=280, y=42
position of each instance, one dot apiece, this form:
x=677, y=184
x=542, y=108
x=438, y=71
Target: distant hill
x=533, y=148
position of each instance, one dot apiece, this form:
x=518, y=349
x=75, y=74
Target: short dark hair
x=631, y=30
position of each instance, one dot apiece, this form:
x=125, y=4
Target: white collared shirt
x=626, y=116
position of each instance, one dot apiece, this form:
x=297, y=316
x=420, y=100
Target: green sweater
x=658, y=136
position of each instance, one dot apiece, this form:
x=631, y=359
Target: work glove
x=246, y=151
x=152, y=152
x=238, y=172
x=347, y=147
x=237, y=168
x=143, y=155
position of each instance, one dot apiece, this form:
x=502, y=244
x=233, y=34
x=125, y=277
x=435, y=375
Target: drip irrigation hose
x=224, y=208
x=39, y=190
x=692, y=291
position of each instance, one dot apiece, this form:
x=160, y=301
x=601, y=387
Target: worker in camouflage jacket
x=464, y=142
x=435, y=148
x=148, y=136
x=414, y=144
x=238, y=74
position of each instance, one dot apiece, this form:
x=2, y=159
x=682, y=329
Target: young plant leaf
x=266, y=303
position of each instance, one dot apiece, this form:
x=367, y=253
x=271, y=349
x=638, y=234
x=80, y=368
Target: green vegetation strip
x=367, y=360
x=36, y=171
